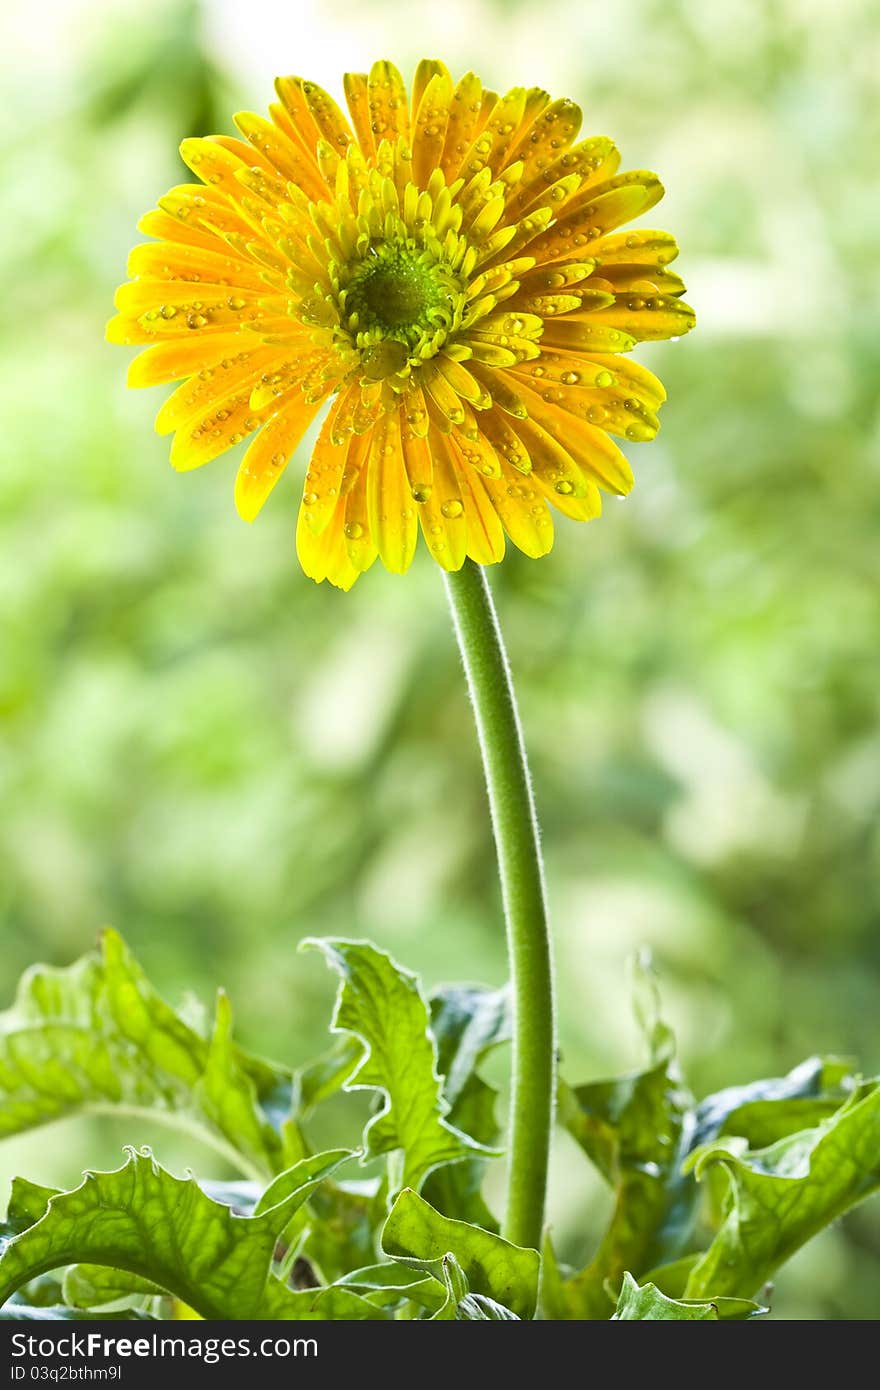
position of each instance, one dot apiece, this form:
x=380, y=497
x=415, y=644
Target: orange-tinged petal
x=429, y=126
x=418, y=462
x=356, y=88
x=390, y=506
x=465, y=109
x=326, y=117
x=269, y=454
x=286, y=156
x=442, y=516
x=485, y=534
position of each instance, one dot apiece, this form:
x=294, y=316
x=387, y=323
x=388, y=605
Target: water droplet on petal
x=452, y=508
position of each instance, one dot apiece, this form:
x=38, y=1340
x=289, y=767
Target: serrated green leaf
x=382, y=1006
x=24, y=1312
x=781, y=1196
x=389, y=1284
x=141, y=1219
x=635, y=1130
x=641, y=1132
x=506, y=1273
x=645, y=1303
x=97, y=1037
x=764, y=1111
x=344, y=1233
x=322, y=1078
x=98, y=1287
x=467, y=1022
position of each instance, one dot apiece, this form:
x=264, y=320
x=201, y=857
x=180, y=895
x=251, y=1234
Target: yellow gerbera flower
x=445, y=271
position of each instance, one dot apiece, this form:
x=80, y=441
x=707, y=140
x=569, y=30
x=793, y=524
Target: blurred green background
x=215, y=755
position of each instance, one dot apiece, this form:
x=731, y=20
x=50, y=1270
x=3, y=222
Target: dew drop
x=565, y=487
x=569, y=378
x=421, y=493
x=353, y=530
x=235, y=303
x=604, y=379
x=452, y=508
x=168, y=311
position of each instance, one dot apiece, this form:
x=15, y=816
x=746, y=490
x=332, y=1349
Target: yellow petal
x=182, y=357
x=640, y=248
x=325, y=556
x=314, y=112
x=585, y=334
x=390, y=507
x=522, y=511
x=225, y=423
x=490, y=147
x=160, y=224
x=588, y=445
x=558, y=474
x=323, y=481
x=646, y=318
x=359, y=540
x=270, y=453
x=427, y=70
x=547, y=136
x=388, y=103
x=595, y=212
x=591, y=160
x=168, y=260
x=212, y=384
x=419, y=464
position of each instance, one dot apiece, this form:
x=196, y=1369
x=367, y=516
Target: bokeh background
x=215, y=755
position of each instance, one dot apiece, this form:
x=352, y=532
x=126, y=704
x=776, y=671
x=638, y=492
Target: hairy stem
x=525, y=905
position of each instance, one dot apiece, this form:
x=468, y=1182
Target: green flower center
x=398, y=306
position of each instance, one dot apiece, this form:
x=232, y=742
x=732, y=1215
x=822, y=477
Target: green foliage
x=710, y=1198
x=646, y=1303
x=782, y=1195
x=98, y=1036
x=382, y=1006
x=506, y=1273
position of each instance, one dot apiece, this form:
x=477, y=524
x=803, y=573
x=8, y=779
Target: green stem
x=525, y=903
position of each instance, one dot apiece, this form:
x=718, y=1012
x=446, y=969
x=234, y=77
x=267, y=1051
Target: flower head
x=443, y=273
